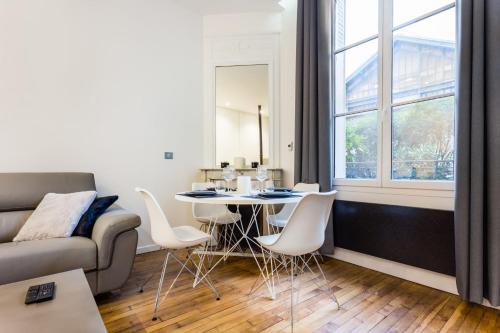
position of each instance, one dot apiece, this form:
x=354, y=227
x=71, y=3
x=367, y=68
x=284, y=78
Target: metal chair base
x=294, y=266
x=184, y=266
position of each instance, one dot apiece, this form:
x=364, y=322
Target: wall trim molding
x=418, y=275
x=249, y=49
x=421, y=276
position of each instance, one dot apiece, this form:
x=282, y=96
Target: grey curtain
x=313, y=100
x=477, y=204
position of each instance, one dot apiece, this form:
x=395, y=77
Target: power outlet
x=169, y=155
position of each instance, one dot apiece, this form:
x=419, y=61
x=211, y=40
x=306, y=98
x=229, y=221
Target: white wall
x=241, y=24
x=106, y=87
x=237, y=134
x=287, y=86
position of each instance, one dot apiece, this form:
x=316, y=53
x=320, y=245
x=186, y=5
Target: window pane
x=424, y=58
x=356, y=146
x=353, y=24
x=356, y=77
x=423, y=140
x=406, y=10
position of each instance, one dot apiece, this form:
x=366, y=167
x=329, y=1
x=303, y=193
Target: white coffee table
x=72, y=310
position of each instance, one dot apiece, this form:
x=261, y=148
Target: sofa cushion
x=56, y=216
x=25, y=260
x=96, y=209
x=11, y=223
x=24, y=191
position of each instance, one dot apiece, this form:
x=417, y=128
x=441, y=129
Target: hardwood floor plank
x=370, y=302
x=457, y=318
x=473, y=319
x=443, y=315
x=488, y=321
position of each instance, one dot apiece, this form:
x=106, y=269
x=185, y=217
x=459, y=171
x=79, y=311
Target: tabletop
x=240, y=199
x=73, y=308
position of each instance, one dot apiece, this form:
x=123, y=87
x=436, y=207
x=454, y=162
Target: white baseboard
x=418, y=275
x=147, y=248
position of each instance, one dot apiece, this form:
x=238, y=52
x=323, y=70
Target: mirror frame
x=234, y=51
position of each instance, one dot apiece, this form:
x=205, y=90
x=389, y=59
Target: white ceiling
x=212, y=7
x=242, y=88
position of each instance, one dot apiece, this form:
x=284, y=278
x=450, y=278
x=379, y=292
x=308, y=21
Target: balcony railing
x=404, y=169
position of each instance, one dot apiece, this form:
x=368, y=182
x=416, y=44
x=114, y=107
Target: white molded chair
x=303, y=233
x=212, y=216
x=172, y=239
x=279, y=220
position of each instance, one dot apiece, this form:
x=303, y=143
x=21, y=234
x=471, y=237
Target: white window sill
x=422, y=198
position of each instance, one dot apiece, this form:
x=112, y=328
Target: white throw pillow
x=56, y=216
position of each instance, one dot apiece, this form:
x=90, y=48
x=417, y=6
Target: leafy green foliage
x=422, y=142
x=361, y=145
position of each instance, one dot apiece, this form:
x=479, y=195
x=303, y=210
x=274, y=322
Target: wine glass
x=269, y=186
x=229, y=174
x=219, y=187
x=261, y=175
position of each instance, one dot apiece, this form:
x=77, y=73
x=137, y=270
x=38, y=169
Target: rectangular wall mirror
x=242, y=115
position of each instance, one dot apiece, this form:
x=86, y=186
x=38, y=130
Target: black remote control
x=40, y=293
x=31, y=295
x=46, y=292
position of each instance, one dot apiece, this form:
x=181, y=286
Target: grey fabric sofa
x=106, y=258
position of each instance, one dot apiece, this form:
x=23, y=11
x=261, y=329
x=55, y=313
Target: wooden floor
x=370, y=302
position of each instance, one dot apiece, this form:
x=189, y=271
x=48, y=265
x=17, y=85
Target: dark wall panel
x=414, y=236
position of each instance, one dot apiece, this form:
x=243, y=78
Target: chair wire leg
x=317, y=253
x=276, y=267
x=256, y=285
x=328, y=290
x=184, y=266
x=145, y=282
x=206, y=281
x=273, y=296
x=205, y=278
x=326, y=282
x=278, y=275
x=292, y=269
x=224, y=249
x=160, y=284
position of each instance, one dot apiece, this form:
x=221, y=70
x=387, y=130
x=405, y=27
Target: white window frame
x=385, y=104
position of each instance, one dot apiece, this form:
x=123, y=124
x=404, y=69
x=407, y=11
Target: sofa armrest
x=108, y=226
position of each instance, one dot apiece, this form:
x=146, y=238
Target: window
x=394, y=87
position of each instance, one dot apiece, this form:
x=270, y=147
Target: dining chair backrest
x=161, y=231
x=206, y=210
x=201, y=186
x=202, y=210
x=304, y=187
x=305, y=230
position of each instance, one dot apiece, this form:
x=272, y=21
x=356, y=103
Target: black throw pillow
x=96, y=209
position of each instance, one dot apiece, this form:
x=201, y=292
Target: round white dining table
x=239, y=199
